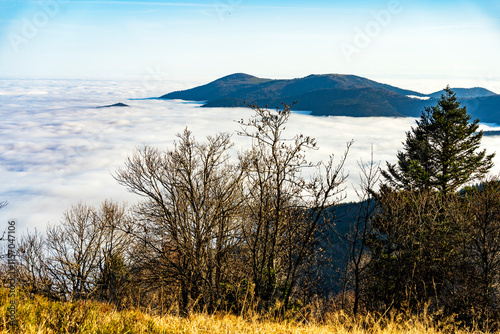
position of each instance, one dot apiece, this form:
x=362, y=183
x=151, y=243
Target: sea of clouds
x=57, y=148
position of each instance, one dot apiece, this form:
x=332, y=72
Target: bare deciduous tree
x=33, y=264
x=482, y=245
x=355, y=241
x=73, y=250
x=114, y=261
x=81, y=250
x=189, y=222
x=283, y=208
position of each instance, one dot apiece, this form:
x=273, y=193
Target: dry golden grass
x=38, y=315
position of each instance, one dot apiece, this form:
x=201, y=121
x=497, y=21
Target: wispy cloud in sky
x=142, y=3
x=208, y=39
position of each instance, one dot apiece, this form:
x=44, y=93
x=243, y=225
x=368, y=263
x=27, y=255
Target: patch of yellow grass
x=38, y=315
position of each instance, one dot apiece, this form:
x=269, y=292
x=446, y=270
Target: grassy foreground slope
x=36, y=314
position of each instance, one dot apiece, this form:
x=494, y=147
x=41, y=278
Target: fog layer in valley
x=57, y=148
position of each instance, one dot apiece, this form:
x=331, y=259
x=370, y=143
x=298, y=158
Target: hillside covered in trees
x=220, y=234
x=334, y=95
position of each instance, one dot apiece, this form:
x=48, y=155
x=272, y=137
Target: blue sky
x=422, y=45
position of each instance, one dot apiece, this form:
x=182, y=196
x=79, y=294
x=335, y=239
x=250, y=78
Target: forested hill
x=334, y=95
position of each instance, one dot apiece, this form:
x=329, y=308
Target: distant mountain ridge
x=468, y=93
x=333, y=95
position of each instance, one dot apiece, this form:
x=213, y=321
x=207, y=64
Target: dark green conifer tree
x=441, y=153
